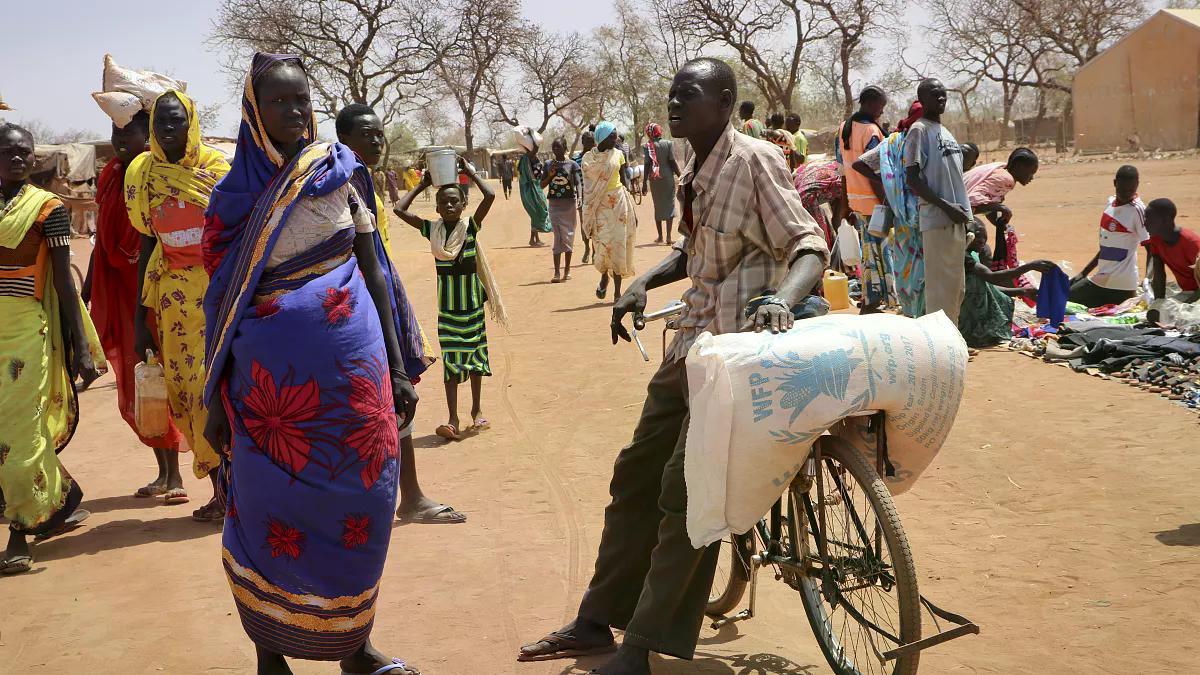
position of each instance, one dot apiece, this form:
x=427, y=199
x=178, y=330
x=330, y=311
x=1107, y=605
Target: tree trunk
x=847, y=94
x=1068, y=109
x=468, y=132
x=1007, y=116
x=1041, y=115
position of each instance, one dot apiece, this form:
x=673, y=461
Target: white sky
x=56, y=51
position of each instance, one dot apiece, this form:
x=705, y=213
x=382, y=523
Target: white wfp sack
x=125, y=92
x=527, y=138
x=759, y=401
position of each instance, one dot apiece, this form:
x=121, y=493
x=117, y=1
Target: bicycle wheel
x=865, y=600
x=78, y=273
x=733, y=573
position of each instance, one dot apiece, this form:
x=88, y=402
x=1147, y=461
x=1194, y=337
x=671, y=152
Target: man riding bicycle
x=750, y=250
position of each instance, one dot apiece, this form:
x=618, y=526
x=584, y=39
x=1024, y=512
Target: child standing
x=1122, y=231
x=465, y=284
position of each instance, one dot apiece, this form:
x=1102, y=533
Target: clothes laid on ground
x=986, y=315
x=298, y=358
x=38, y=402
x=759, y=401
x=608, y=216
x=114, y=298
x=166, y=200
x=1122, y=231
x=908, y=250
x=1182, y=257
x=462, y=328
x=532, y=197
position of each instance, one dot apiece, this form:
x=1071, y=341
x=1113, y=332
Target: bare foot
x=368, y=660
x=627, y=661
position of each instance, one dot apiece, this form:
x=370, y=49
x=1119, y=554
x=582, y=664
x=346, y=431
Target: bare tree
x=767, y=36
x=629, y=71
x=483, y=29
x=554, y=75
x=851, y=21
x=993, y=41
x=665, y=37
x=356, y=51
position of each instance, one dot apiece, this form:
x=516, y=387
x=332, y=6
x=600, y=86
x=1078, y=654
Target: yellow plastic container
x=837, y=290
x=150, y=409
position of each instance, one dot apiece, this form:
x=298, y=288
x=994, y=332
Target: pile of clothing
x=1162, y=361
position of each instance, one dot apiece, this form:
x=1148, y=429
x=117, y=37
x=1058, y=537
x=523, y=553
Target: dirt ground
x=1061, y=516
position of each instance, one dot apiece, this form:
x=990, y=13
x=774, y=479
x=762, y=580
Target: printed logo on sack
x=825, y=374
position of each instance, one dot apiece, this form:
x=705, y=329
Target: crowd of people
x=266, y=288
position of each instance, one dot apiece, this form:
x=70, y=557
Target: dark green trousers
x=649, y=581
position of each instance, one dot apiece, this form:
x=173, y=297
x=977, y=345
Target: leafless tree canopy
x=357, y=51
x=483, y=30
x=554, y=74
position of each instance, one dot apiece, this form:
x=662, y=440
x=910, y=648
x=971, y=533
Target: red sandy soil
x=1061, y=516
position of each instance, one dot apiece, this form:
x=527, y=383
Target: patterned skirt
x=313, y=467
x=462, y=330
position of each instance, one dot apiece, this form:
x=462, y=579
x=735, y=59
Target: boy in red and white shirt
x=1122, y=231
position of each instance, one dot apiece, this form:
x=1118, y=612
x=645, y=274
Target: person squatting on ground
x=747, y=242
x=1111, y=277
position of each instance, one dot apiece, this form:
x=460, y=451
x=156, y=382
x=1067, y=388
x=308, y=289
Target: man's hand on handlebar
x=633, y=301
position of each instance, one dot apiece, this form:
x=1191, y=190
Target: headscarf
x=255, y=163
x=914, y=113
x=653, y=132
x=237, y=240
x=604, y=130
x=151, y=179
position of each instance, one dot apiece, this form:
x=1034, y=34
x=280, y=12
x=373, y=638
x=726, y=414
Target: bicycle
x=835, y=537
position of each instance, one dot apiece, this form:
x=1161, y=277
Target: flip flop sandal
x=556, y=280
x=448, y=432
x=176, y=496
x=210, y=512
x=601, y=292
x=73, y=522
x=432, y=516
x=397, y=667
x=481, y=424
x=564, y=647
x=150, y=490
x=19, y=564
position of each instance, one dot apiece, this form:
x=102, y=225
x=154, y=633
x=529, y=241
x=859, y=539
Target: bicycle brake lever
x=638, y=341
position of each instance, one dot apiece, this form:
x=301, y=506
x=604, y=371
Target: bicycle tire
x=735, y=554
x=78, y=273
x=904, y=571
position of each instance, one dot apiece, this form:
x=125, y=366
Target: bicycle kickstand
x=756, y=562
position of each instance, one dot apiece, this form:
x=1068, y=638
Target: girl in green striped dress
x=464, y=286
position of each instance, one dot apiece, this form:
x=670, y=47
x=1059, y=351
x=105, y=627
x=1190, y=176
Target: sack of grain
x=527, y=138
x=122, y=86
x=119, y=106
x=759, y=401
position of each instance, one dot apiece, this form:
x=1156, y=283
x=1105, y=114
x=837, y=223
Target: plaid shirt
x=747, y=227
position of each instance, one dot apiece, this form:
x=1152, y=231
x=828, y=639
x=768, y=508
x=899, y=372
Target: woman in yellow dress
x=167, y=191
x=608, y=216
x=46, y=340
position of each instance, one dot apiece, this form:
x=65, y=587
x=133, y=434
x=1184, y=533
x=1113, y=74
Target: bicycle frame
x=769, y=531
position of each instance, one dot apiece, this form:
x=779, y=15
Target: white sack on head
x=144, y=86
x=759, y=401
x=526, y=137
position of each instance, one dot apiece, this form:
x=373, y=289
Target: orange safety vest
x=858, y=189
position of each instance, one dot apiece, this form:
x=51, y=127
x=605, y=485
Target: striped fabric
x=462, y=330
x=19, y=266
